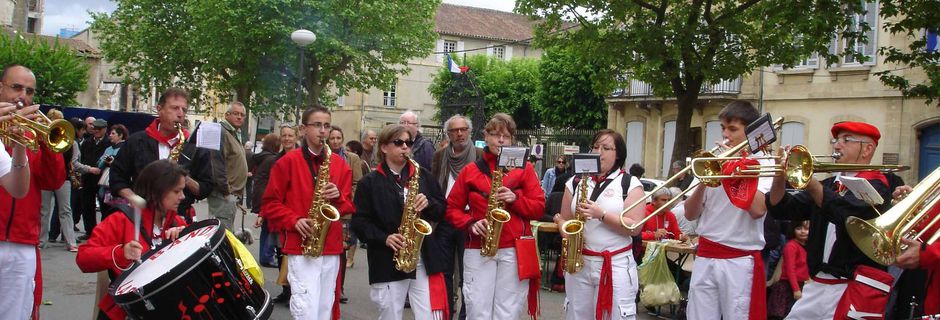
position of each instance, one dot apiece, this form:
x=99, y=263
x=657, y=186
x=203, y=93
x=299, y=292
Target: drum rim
x=195, y=226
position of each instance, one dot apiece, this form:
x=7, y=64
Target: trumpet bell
x=60, y=136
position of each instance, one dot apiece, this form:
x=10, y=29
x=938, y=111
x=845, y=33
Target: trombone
x=57, y=135
x=724, y=155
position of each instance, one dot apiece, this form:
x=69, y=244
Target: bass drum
x=198, y=276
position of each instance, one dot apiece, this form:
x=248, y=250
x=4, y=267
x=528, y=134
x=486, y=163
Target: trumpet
x=57, y=135
x=675, y=198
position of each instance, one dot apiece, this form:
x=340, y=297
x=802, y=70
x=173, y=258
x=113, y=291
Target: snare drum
x=198, y=276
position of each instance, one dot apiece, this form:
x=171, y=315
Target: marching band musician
x=832, y=257
x=380, y=199
x=728, y=276
x=606, y=287
x=492, y=288
x=112, y=246
x=20, y=197
x=286, y=205
x=921, y=256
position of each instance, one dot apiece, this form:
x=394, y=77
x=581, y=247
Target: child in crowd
x=794, y=273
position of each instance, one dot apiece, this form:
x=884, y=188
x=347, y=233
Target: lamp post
x=303, y=38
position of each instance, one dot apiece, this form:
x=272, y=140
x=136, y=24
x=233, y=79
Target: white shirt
x=6, y=162
x=597, y=235
x=726, y=224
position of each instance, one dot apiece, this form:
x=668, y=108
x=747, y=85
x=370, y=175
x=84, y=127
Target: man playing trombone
x=833, y=259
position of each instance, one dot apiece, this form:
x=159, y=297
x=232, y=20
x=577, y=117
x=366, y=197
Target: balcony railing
x=639, y=89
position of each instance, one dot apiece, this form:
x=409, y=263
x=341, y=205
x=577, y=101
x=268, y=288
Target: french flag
x=454, y=68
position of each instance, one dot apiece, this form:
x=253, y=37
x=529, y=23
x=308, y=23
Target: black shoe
x=343, y=299
x=283, y=297
x=83, y=237
x=269, y=265
x=363, y=245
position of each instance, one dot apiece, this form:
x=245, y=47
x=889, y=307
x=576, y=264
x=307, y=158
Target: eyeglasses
x=403, y=122
x=458, y=130
x=846, y=139
x=399, y=142
x=504, y=136
x=20, y=87
x=319, y=125
x=237, y=114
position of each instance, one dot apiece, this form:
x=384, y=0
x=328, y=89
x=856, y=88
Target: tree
x=508, y=86
x=566, y=88
x=244, y=46
x=679, y=46
x=917, y=20
x=60, y=72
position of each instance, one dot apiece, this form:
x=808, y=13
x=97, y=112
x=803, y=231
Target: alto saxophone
x=496, y=216
x=572, y=245
x=321, y=212
x=178, y=148
x=412, y=227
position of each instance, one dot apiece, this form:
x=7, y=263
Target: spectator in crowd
x=222, y=200
x=61, y=212
x=117, y=136
x=92, y=148
x=75, y=174
x=687, y=227
x=423, y=149
x=288, y=136
x=263, y=161
x=637, y=170
x=782, y=295
x=368, y=147
x=356, y=147
x=685, y=179
x=548, y=179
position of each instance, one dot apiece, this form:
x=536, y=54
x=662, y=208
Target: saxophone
x=178, y=148
x=496, y=216
x=574, y=229
x=412, y=227
x=321, y=212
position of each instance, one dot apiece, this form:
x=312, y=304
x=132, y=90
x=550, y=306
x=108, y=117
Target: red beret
x=858, y=128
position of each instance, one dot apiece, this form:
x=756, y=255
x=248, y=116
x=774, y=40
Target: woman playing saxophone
x=492, y=288
x=394, y=204
x=607, y=282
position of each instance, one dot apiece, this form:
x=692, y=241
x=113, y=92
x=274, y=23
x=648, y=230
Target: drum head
x=162, y=266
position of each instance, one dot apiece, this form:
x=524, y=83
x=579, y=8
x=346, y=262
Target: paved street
x=71, y=293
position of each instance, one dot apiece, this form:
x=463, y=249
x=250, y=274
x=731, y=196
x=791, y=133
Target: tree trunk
x=686, y=100
x=243, y=95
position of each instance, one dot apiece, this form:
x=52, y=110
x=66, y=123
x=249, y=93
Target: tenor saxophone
x=321, y=212
x=496, y=216
x=572, y=245
x=178, y=148
x=412, y=227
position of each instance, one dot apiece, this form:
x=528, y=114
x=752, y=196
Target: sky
x=73, y=14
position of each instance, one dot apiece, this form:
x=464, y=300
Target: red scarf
x=740, y=191
x=605, y=290
x=714, y=250
x=155, y=133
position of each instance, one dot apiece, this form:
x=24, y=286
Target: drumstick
x=137, y=202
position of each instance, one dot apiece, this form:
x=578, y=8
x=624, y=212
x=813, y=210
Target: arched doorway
x=929, y=150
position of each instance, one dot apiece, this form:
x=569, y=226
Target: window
x=634, y=143
x=791, y=134
x=810, y=62
x=388, y=97
x=499, y=52
x=31, y=25
x=450, y=46
x=867, y=49
x=669, y=141
x=712, y=134
x=341, y=101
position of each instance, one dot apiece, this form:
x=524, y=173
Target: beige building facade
x=810, y=97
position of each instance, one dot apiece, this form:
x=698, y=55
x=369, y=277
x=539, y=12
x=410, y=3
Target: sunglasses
x=399, y=142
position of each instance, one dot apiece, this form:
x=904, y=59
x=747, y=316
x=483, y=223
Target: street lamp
x=303, y=38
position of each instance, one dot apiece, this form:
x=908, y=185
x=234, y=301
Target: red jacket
x=102, y=251
x=930, y=260
x=794, y=267
x=473, y=187
x=666, y=220
x=19, y=218
x=290, y=193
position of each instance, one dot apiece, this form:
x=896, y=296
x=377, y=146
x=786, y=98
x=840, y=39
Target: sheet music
x=862, y=189
x=209, y=136
x=513, y=157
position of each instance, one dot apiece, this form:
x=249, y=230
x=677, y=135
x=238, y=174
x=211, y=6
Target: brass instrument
x=496, y=216
x=178, y=148
x=880, y=238
x=412, y=227
x=57, y=135
x=674, y=178
x=321, y=212
x=572, y=245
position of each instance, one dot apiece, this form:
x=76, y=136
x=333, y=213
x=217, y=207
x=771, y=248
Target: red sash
x=714, y=250
x=605, y=290
x=438, y=291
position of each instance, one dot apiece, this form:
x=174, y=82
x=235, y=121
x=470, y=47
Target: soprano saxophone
x=412, y=227
x=496, y=216
x=321, y=212
x=574, y=229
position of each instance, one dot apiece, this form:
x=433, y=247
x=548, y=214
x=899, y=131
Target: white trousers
x=491, y=285
x=17, y=280
x=581, y=288
x=313, y=286
x=818, y=302
x=721, y=288
x=389, y=297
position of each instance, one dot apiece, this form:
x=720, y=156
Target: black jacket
x=378, y=214
x=91, y=152
x=836, y=209
x=140, y=150
x=261, y=164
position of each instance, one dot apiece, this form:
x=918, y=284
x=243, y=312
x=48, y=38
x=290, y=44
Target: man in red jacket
x=20, y=285
x=285, y=205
